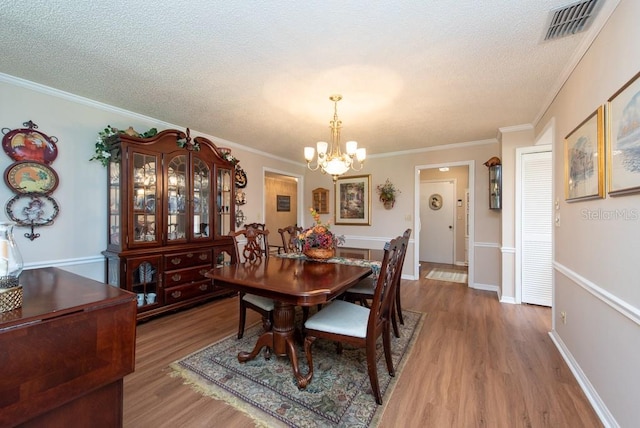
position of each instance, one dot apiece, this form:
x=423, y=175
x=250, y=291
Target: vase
x=10, y=269
x=388, y=204
x=320, y=253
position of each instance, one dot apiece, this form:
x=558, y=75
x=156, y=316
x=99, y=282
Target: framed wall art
x=353, y=200
x=283, y=203
x=623, y=131
x=584, y=159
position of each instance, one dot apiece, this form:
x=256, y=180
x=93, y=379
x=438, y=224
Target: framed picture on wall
x=584, y=159
x=623, y=131
x=283, y=203
x=353, y=200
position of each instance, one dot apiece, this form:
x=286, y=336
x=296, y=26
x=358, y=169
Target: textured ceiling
x=413, y=74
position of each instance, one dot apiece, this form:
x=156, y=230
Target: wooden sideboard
x=64, y=353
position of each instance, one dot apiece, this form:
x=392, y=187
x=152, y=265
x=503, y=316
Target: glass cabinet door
x=176, y=208
x=223, y=201
x=115, y=208
x=495, y=187
x=144, y=198
x=144, y=281
x=201, y=198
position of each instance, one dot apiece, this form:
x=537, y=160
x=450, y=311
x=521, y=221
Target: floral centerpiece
x=318, y=242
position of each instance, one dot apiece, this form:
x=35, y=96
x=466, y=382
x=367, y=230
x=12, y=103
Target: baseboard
x=598, y=405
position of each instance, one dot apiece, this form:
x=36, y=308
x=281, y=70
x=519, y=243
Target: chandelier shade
x=331, y=160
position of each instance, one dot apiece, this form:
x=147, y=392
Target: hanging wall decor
x=31, y=177
x=32, y=210
x=29, y=144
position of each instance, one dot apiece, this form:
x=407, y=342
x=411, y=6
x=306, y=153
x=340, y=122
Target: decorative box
x=10, y=298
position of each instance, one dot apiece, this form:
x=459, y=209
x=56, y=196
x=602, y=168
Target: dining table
x=290, y=282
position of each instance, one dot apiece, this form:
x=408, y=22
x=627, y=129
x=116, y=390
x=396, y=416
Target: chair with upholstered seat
x=289, y=235
x=363, y=292
x=347, y=322
x=255, y=249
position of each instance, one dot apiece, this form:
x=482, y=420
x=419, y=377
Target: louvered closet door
x=537, y=212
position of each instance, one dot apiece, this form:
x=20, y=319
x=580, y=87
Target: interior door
x=537, y=220
x=437, y=219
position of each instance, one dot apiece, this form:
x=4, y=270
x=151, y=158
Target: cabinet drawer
x=182, y=276
x=187, y=291
x=186, y=259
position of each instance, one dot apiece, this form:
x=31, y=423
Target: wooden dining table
x=290, y=283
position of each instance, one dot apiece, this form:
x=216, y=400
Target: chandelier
x=330, y=159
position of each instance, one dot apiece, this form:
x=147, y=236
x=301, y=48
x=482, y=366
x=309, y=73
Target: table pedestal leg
x=281, y=338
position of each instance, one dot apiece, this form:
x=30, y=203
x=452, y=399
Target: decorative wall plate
x=31, y=177
x=241, y=198
x=240, y=177
x=32, y=210
x=28, y=144
x=435, y=201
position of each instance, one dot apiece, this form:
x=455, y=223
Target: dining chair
x=363, y=292
x=255, y=250
x=347, y=322
x=289, y=236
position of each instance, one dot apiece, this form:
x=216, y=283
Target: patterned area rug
x=447, y=275
x=339, y=394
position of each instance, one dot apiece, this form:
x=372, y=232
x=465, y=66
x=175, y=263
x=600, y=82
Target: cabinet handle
x=203, y=271
x=176, y=294
x=176, y=260
x=203, y=256
x=176, y=277
x=203, y=287
x=189, y=255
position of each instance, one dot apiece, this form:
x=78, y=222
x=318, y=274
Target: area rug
x=447, y=275
x=339, y=394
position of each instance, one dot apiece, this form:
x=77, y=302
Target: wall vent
x=571, y=19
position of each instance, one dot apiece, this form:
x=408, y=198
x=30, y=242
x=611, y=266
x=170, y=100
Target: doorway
x=282, y=202
x=463, y=218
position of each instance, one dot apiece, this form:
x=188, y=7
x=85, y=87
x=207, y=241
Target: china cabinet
x=320, y=199
x=495, y=187
x=170, y=210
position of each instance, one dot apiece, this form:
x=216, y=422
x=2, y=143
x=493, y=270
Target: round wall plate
x=32, y=210
x=240, y=177
x=29, y=144
x=31, y=177
x=435, y=201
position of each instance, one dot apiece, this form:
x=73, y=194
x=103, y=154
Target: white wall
x=75, y=240
x=596, y=260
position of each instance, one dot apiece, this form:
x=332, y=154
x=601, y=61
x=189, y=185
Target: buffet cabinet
x=170, y=212
x=65, y=352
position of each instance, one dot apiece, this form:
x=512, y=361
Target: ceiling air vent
x=571, y=19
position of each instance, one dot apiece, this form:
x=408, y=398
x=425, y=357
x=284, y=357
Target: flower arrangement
x=319, y=237
x=186, y=143
x=102, y=149
x=387, y=192
x=230, y=158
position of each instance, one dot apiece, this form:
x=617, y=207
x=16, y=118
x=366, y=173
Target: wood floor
x=476, y=363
